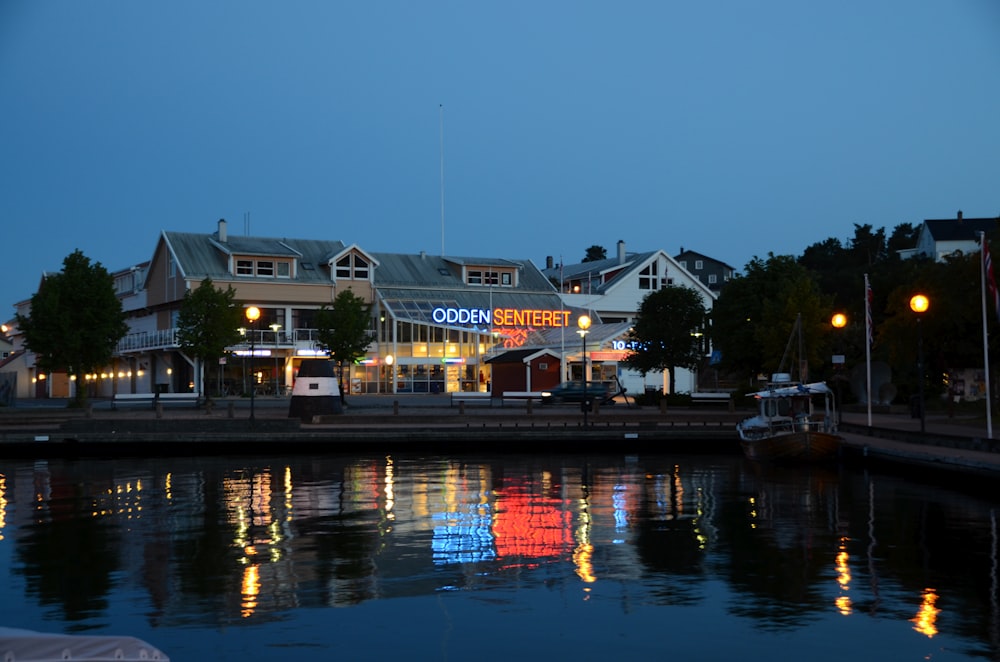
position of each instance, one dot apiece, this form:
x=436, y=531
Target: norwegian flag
x=991, y=283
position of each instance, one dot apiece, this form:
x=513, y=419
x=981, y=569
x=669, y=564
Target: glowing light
x=839, y=320
x=925, y=622
x=919, y=303
x=843, y=602
x=251, y=589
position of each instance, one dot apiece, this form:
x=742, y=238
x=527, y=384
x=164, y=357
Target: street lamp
x=583, y=321
x=919, y=304
x=839, y=321
x=253, y=314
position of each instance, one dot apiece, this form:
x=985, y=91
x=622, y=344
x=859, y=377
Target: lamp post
x=839, y=321
x=253, y=314
x=919, y=304
x=583, y=321
x=275, y=327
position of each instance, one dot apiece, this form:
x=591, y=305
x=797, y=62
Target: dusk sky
x=729, y=127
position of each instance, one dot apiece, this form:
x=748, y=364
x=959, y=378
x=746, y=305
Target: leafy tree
x=903, y=236
x=738, y=324
x=666, y=331
x=75, y=322
x=208, y=323
x=344, y=331
x=595, y=253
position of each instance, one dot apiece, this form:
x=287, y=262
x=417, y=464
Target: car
x=573, y=392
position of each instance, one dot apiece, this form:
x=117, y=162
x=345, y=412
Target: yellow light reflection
x=251, y=589
x=288, y=494
x=390, y=499
x=925, y=622
x=3, y=505
x=843, y=578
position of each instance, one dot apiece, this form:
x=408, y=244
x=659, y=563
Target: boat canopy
x=815, y=388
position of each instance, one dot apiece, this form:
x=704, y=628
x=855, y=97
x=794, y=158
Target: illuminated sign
x=256, y=352
x=622, y=345
x=501, y=317
x=609, y=355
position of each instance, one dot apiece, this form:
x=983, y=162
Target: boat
x=789, y=424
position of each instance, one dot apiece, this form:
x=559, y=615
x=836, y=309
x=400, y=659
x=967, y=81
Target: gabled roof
x=201, y=256
x=685, y=252
x=959, y=229
x=522, y=355
x=422, y=270
x=594, y=273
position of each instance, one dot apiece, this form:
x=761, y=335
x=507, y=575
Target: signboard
x=503, y=317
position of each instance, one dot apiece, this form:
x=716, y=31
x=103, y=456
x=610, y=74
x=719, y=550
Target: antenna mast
x=441, y=148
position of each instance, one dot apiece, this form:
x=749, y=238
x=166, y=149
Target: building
x=439, y=324
x=613, y=290
x=435, y=319
x=942, y=238
x=708, y=270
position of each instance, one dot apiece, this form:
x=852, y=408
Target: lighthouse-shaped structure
x=316, y=391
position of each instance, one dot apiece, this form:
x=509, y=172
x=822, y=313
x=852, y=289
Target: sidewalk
x=960, y=443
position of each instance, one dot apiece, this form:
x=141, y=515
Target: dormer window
x=352, y=267
x=489, y=277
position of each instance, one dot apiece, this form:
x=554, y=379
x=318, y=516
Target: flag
x=991, y=283
x=868, y=311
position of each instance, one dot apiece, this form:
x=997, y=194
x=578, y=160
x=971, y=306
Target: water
x=499, y=557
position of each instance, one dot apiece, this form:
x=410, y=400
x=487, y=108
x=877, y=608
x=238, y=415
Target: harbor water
x=493, y=557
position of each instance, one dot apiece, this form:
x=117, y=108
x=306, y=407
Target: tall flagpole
x=986, y=344
x=868, y=347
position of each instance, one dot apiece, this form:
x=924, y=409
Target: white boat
x=17, y=644
x=794, y=421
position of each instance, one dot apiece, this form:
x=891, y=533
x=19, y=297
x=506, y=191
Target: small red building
x=524, y=370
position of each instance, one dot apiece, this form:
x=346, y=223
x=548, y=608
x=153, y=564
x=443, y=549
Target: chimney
x=959, y=215
x=549, y=262
x=222, y=230
x=621, y=252
x=423, y=255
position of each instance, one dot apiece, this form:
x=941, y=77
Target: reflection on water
x=541, y=556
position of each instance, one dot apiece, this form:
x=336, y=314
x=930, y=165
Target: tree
x=75, y=321
x=667, y=331
x=344, y=331
x=208, y=323
x=738, y=315
x=595, y=253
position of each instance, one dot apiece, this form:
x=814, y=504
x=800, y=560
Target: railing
x=167, y=338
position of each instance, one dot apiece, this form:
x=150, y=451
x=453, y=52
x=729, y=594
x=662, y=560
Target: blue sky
x=729, y=127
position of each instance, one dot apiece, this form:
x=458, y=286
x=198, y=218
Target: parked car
x=573, y=392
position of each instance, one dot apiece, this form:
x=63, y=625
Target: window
x=265, y=268
x=505, y=279
x=648, y=277
x=712, y=279
x=284, y=270
x=353, y=267
x=171, y=267
x=491, y=278
x=684, y=264
x=244, y=267
x=699, y=265
x=475, y=278
x=344, y=267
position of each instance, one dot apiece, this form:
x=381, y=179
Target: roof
x=437, y=271
x=601, y=276
x=521, y=355
x=960, y=229
x=201, y=256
